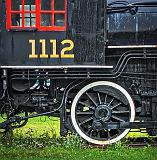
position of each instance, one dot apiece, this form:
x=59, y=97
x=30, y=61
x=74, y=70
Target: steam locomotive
x=93, y=63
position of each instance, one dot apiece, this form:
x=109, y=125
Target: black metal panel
x=127, y=29
x=86, y=28
x=15, y=48
x=87, y=31
x=85, y=23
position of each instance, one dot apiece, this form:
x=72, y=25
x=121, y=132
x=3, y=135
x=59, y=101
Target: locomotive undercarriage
x=101, y=105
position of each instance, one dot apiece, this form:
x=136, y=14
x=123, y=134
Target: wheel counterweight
x=94, y=105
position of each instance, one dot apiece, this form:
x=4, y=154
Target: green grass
x=39, y=140
x=42, y=124
x=39, y=125
x=62, y=153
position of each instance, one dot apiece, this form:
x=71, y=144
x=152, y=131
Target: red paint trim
x=15, y=12
x=8, y=14
x=63, y=12
x=42, y=11
x=65, y=17
x=23, y=13
x=16, y=27
x=53, y=16
x=38, y=13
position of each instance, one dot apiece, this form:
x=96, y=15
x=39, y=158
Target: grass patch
x=63, y=153
x=39, y=140
x=39, y=126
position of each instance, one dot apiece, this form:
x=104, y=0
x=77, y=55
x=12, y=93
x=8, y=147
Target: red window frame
x=38, y=13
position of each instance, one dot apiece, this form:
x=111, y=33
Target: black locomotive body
x=90, y=62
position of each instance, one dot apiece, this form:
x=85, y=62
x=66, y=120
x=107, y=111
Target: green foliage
x=118, y=146
x=40, y=141
x=49, y=146
x=46, y=139
x=73, y=141
x=62, y=153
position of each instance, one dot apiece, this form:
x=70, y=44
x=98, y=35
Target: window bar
x=38, y=14
x=23, y=14
x=53, y=14
x=30, y=15
x=8, y=22
x=65, y=14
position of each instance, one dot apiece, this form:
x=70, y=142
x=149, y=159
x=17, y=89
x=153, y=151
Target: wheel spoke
x=120, y=112
x=91, y=99
x=119, y=131
x=116, y=106
x=84, y=113
x=90, y=129
x=99, y=98
x=108, y=134
x=105, y=98
x=98, y=134
x=117, y=118
x=87, y=105
x=111, y=102
x=85, y=121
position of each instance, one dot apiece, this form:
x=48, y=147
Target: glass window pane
x=15, y=5
x=33, y=8
x=46, y=20
x=59, y=19
x=20, y=22
x=15, y=20
x=30, y=5
x=33, y=15
x=45, y=4
x=59, y=4
x=20, y=7
x=33, y=21
x=27, y=22
x=27, y=7
x=27, y=15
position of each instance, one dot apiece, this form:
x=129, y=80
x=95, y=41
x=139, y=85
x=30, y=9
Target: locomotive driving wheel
x=98, y=103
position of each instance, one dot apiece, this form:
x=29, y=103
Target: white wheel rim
x=73, y=109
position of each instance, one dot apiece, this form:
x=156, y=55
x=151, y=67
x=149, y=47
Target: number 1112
x=54, y=54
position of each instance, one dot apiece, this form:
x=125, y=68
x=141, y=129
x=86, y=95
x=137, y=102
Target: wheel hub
x=103, y=112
